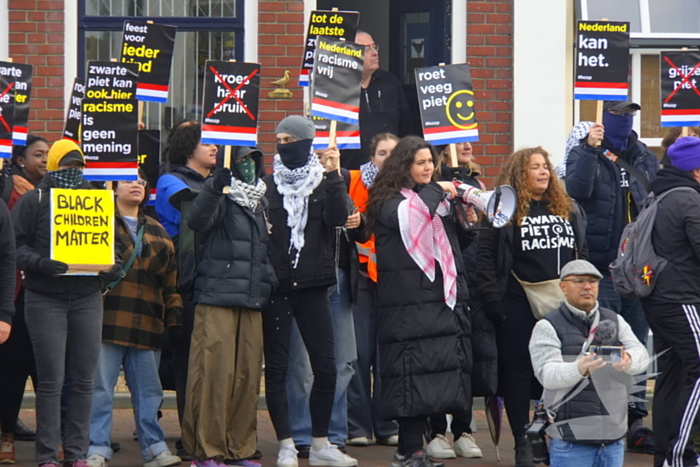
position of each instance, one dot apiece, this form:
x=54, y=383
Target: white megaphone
x=498, y=205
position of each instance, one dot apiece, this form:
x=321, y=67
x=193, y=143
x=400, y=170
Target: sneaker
x=181, y=453
x=466, y=446
x=95, y=460
x=23, y=433
x=330, y=456
x=207, y=463
x=398, y=459
x=80, y=463
x=245, y=463
x=440, y=448
x=359, y=441
x=392, y=440
x=640, y=440
x=164, y=459
x=7, y=449
x=257, y=455
x=287, y=457
x=48, y=464
x=419, y=459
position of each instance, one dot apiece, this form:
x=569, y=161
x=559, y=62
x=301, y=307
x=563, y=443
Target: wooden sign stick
x=453, y=155
x=227, y=164
x=332, y=138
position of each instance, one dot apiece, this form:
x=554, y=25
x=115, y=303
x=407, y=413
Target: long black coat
x=424, y=346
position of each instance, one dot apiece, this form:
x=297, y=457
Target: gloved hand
x=52, y=268
x=112, y=275
x=222, y=178
x=494, y=312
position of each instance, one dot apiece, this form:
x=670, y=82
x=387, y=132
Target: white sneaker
x=164, y=459
x=95, y=460
x=359, y=441
x=440, y=448
x=392, y=440
x=466, y=446
x=330, y=456
x=287, y=457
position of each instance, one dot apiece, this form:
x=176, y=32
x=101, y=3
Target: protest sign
x=602, y=60
x=335, y=24
x=149, y=159
x=335, y=93
x=347, y=135
x=680, y=94
x=71, y=130
x=7, y=111
x=110, y=139
x=22, y=75
x=82, y=229
x=447, y=104
x=230, y=108
x=150, y=46
x=111, y=80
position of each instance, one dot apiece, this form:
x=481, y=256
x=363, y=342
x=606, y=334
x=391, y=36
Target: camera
x=609, y=353
x=535, y=433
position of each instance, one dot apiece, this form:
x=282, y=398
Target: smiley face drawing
x=460, y=109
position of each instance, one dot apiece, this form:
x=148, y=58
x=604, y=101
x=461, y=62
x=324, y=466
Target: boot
x=7, y=449
x=523, y=452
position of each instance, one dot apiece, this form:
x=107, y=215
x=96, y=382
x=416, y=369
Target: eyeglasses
x=371, y=47
x=624, y=112
x=138, y=182
x=580, y=283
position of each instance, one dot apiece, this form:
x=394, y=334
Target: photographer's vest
x=573, y=332
x=366, y=252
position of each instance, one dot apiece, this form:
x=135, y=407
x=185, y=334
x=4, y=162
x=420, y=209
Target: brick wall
x=36, y=38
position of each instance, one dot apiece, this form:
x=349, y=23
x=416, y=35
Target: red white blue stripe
x=585, y=90
x=304, y=78
x=111, y=171
x=335, y=111
x=229, y=135
x=152, y=92
x=343, y=139
x=450, y=134
x=5, y=148
x=19, y=136
x=677, y=117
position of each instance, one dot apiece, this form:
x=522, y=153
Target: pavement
x=371, y=456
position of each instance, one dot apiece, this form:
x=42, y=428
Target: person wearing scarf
x=63, y=314
x=306, y=203
x=421, y=295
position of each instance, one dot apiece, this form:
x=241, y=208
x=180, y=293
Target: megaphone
x=498, y=205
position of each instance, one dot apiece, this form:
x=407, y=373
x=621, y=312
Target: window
x=207, y=30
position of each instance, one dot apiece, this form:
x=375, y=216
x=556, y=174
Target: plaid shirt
x=136, y=311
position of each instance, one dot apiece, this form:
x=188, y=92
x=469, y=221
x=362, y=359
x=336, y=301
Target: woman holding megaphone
x=423, y=351
x=518, y=268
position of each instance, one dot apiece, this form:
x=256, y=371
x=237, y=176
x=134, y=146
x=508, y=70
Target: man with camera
x=584, y=356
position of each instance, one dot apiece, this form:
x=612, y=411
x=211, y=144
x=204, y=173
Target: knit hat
x=298, y=127
x=685, y=153
x=63, y=151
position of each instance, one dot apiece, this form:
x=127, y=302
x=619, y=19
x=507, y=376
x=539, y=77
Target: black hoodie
x=676, y=237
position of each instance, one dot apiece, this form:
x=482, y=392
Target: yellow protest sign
x=82, y=229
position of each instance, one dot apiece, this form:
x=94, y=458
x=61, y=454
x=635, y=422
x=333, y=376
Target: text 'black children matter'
x=333, y=24
x=335, y=91
x=149, y=159
x=150, y=46
x=447, y=104
x=22, y=75
x=111, y=80
x=230, y=107
x=7, y=115
x=680, y=88
x=602, y=60
x=71, y=129
x=109, y=139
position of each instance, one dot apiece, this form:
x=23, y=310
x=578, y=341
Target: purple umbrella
x=494, y=417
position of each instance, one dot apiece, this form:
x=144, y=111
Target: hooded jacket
x=7, y=265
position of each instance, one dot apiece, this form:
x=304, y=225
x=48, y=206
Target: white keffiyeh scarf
x=578, y=132
x=369, y=172
x=245, y=195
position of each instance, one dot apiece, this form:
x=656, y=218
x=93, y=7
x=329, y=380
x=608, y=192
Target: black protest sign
x=110, y=139
x=335, y=24
x=7, y=111
x=111, y=80
x=22, y=74
x=149, y=159
x=230, y=108
x=150, y=46
x=335, y=93
x=680, y=88
x=71, y=130
x=447, y=104
x=602, y=60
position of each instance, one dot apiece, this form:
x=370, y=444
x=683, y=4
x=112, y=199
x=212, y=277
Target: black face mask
x=296, y=154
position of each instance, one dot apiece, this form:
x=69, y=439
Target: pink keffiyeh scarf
x=425, y=240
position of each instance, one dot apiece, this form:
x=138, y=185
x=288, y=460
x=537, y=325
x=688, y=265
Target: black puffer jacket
x=328, y=209
x=424, y=346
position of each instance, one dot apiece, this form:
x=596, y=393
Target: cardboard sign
x=150, y=46
x=347, y=135
x=22, y=74
x=335, y=24
x=111, y=80
x=335, y=93
x=447, y=104
x=602, y=60
x=149, y=159
x=82, y=229
x=71, y=129
x=7, y=115
x=680, y=88
x=230, y=108
x=110, y=139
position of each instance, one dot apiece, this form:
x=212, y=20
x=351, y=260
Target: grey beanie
x=300, y=128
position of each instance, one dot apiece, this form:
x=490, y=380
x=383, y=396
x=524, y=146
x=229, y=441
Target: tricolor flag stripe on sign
x=450, y=134
x=71, y=139
x=19, y=136
x=229, y=135
x=600, y=91
x=304, y=78
x=152, y=92
x=322, y=140
x=5, y=148
x=111, y=171
x=682, y=117
x=335, y=111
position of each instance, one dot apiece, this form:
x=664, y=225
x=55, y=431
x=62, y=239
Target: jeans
x=141, y=372
x=300, y=377
x=66, y=336
x=565, y=454
x=633, y=313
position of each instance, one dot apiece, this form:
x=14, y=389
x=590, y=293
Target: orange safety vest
x=366, y=252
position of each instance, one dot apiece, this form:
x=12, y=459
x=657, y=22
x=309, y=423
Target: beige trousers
x=223, y=383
